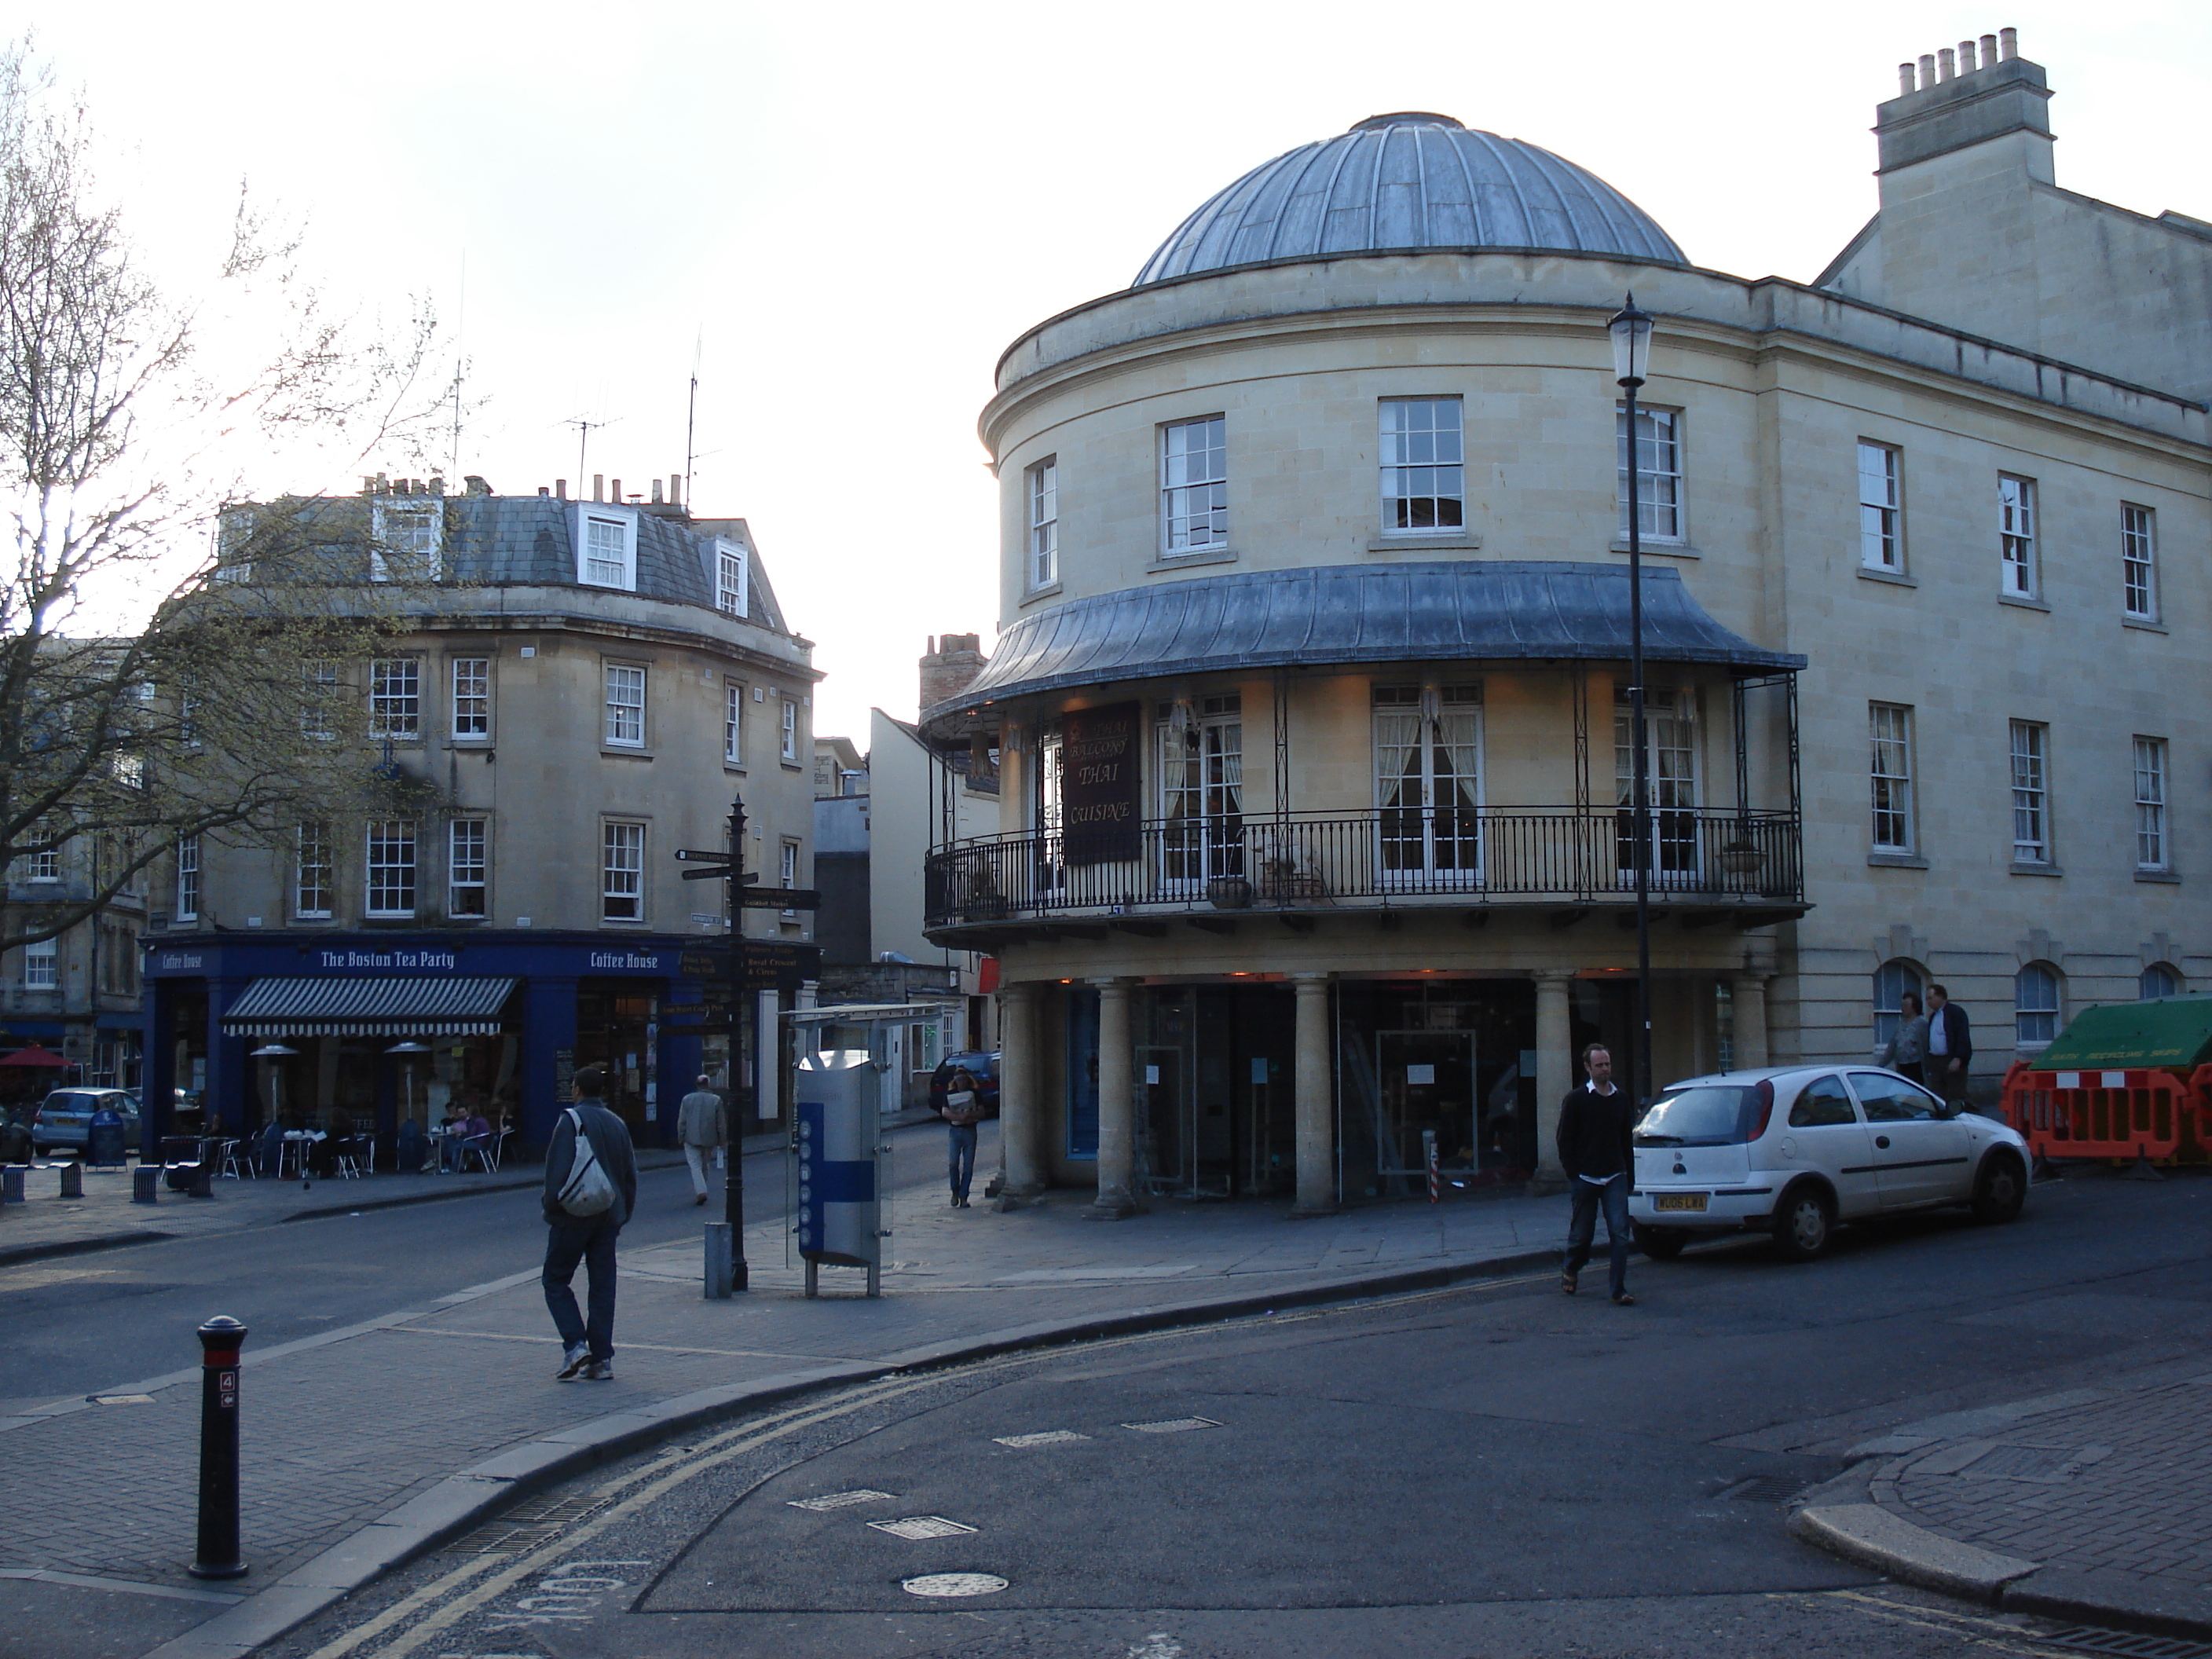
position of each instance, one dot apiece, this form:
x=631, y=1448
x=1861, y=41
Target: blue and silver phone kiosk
x=838, y=1146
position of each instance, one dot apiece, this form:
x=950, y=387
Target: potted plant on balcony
x=1229, y=893
x=1740, y=854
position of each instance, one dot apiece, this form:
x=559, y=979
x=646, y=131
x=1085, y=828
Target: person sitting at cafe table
x=473, y=1133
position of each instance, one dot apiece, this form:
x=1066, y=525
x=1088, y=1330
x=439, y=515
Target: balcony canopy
x=1456, y=611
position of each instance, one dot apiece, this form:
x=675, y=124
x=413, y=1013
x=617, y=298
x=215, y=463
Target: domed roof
x=1409, y=180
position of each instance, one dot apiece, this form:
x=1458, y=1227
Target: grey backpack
x=588, y=1192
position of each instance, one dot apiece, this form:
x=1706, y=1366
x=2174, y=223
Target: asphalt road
x=1493, y=1470
x=72, y=1331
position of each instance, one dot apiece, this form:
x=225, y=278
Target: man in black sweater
x=1596, y=1123
x=588, y=1344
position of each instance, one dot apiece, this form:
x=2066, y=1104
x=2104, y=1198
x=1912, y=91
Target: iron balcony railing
x=1313, y=860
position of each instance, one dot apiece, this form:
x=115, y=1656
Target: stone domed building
x=1310, y=689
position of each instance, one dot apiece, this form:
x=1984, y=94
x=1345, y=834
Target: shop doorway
x=617, y=1026
x=1215, y=1113
x=1427, y=1087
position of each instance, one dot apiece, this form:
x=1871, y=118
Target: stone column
x=1555, y=1073
x=1316, y=1126
x=1748, y=997
x=1117, y=1110
x=1019, y=1108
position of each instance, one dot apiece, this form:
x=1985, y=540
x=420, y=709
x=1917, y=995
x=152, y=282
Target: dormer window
x=730, y=596
x=408, y=539
x=606, y=547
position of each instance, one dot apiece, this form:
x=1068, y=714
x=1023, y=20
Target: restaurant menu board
x=1098, y=783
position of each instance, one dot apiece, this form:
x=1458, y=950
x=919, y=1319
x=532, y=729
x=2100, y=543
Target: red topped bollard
x=221, y=1337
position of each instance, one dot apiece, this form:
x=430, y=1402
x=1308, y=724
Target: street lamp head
x=1632, y=343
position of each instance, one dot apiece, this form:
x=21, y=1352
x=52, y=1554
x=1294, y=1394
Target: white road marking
x=1157, y=1645
x=1173, y=1425
x=1050, y=1437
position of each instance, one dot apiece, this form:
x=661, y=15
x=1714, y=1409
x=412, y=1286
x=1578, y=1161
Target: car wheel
x=1804, y=1222
x=2000, y=1189
x=1660, y=1244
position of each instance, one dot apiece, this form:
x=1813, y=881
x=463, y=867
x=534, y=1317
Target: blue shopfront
x=357, y=1035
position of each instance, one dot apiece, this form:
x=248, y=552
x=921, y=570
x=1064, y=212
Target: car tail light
x=1762, y=1109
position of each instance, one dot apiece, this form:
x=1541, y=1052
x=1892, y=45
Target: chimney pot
x=560, y=489
x=1966, y=56
x=1989, y=50
x=656, y=492
x=543, y=491
x=1905, y=78
x=2007, y=44
x=1947, y=64
x=1927, y=71
x=676, y=489
x=616, y=494
x=598, y=486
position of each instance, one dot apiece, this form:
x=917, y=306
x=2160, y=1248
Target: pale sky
x=848, y=212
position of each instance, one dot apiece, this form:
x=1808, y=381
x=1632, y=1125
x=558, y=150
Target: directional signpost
x=727, y=1271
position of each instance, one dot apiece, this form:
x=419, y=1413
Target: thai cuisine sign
x=1098, y=783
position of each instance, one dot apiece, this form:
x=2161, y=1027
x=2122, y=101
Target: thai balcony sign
x=1098, y=783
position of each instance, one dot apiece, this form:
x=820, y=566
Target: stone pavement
x=47, y=1224
x=346, y=1427
x=2093, y=1505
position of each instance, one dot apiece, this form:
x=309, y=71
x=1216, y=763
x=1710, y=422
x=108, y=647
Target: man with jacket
x=1596, y=1122
x=588, y=1342
x=1950, y=1046
x=702, y=1127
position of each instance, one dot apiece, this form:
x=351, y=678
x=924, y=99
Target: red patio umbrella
x=34, y=1056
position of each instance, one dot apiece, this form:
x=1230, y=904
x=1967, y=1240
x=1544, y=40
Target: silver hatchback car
x=64, y=1117
x=1794, y=1150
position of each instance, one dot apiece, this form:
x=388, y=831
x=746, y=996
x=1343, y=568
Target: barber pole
x=1429, y=1158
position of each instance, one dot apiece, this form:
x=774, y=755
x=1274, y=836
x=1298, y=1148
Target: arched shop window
x=1891, y=981
x=2157, y=982
x=2035, y=1005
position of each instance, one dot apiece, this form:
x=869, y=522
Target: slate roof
x=1444, y=612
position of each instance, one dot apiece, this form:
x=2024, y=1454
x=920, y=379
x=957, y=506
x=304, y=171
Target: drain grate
x=916, y=1527
x=1050, y=1437
x=526, y=1526
x=839, y=1500
x=2127, y=1644
x=1764, y=1489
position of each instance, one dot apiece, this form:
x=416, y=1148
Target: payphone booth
x=839, y=1164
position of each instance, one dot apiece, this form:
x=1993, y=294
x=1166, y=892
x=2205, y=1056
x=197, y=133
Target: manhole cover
x=1174, y=1425
x=1766, y=1489
x=1050, y=1437
x=840, y=1500
x=954, y=1584
x=921, y=1526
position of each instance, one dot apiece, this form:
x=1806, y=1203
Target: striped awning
x=369, y=1007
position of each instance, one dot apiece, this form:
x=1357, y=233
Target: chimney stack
x=951, y=663
x=1965, y=95
x=598, y=486
x=676, y=489
x=560, y=489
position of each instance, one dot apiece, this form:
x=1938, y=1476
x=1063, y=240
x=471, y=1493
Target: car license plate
x=1678, y=1200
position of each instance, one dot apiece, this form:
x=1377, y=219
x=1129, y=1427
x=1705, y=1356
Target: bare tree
x=159, y=680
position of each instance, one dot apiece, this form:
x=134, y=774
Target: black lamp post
x=1631, y=360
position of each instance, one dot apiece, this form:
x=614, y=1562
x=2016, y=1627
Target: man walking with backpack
x=590, y=1187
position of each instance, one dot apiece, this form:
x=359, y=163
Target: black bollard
x=73, y=1180
x=220, y=1340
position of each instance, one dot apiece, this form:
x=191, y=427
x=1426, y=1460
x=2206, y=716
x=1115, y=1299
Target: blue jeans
x=593, y=1246
x=961, y=1149
x=1582, y=1229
